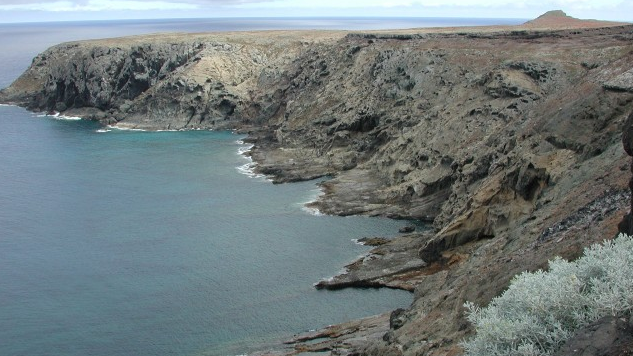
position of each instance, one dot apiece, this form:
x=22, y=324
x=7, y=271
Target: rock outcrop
x=626, y=225
x=507, y=139
x=160, y=81
x=608, y=336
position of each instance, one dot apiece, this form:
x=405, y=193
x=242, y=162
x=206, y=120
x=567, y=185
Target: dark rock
x=226, y=107
x=397, y=319
x=626, y=225
x=627, y=135
x=373, y=241
x=407, y=229
x=539, y=71
x=509, y=84
x=608, y=336
x=388, y=337
x=597, y=210
x=527, y=180
x=432, y=250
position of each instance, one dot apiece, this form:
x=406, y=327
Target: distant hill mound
x=558, y=19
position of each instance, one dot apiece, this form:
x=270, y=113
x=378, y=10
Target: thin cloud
x=585, y=4
x=43, y=3
x=100, y=5
x=108, y=5
x=95, y=5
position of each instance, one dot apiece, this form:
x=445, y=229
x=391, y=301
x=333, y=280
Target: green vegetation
x=541, y=310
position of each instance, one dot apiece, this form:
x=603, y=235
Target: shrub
x=541, y=310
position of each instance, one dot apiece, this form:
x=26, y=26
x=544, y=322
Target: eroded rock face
x=626, y=225
x=498, y=140
x=102, y=77
x=159, y=82
x=508, y=142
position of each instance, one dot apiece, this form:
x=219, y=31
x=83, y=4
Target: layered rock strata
x=506, y=139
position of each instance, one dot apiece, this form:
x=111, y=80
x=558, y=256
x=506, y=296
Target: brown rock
x=608, y=336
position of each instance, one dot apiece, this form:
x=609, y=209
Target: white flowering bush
x=541, y=310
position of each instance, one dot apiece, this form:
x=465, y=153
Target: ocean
x=161, y=243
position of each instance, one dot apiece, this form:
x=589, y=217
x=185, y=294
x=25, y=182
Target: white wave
x=245, y=149
x=248, y=170
x=7, y=105
x=312, y=211
x=123, y=128
x=103, y=130
x=58, y=116
x=71, y=118
x=316, y=194
x=342, y=272
x=326, y=280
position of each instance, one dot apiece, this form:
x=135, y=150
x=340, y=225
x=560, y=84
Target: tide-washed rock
x=407, y=229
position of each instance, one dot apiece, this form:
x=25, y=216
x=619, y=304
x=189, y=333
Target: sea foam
x=124, y=128
x=316, y=194
x=248, y=169
x=341, y=272
x=58, y=116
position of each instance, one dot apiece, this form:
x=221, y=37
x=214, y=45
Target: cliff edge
x=506, y=139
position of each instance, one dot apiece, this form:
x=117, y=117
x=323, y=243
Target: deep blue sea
x=155, y=243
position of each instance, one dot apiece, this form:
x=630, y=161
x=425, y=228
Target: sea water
x=156, y=243
x=129, y=243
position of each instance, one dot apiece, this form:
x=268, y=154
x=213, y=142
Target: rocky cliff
x=166, y=81
x=506, y=139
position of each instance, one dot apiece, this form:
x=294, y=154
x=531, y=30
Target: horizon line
x=275, y=18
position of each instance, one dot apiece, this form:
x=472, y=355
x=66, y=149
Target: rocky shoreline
x=508, y=139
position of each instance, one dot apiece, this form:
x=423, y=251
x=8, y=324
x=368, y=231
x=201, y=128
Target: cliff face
x=509, y=143
x=156, y=82
x=507, y=140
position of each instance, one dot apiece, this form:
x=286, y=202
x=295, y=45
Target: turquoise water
x=128, y=243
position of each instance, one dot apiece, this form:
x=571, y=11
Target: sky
x=68, y=10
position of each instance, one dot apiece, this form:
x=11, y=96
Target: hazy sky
x=51, y=10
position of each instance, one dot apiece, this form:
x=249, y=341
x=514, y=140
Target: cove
x=154, y=243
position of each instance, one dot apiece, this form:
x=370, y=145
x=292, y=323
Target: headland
x=507, y=139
